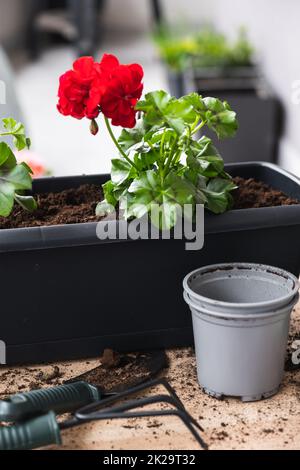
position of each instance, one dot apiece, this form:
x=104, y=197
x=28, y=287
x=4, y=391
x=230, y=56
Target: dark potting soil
x=252, y=193
x=73, y=206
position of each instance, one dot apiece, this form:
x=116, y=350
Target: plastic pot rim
x=200, y=310
x=285, y=299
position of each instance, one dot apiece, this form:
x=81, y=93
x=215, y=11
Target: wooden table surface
x=229, y=424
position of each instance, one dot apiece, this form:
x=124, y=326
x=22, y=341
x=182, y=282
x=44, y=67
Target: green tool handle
x=60, y=399
x=37, y=432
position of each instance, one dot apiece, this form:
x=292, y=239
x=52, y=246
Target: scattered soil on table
x=73, y=206
x=33, y=379
x=116, y=372
x=252, y=193
x=119, y=372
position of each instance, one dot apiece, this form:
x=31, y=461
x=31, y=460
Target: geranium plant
x=15, y=178
x=161, y=158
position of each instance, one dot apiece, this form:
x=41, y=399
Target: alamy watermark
x=296, y=352
x=2, y=92
x=188, y=225
x=2, y=352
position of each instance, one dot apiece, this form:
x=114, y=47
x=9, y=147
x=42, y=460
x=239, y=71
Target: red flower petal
x=85, y=68
x=108, y=63
x=137, y=72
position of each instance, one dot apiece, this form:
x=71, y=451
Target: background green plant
x=15, y=179
x=206, y=48
x=162, y=161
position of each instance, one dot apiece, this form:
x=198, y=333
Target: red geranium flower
x=122, y=93
x=107, y=86
x=75, y=97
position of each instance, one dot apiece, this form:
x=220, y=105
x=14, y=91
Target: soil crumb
x=78, y=205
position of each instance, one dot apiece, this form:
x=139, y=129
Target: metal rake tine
x=142, y=387
x=132, y=404
x=154, y=383
x=171, y=391
x=140, y=402
x=183, y=415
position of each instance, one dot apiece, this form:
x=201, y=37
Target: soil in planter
x=78, y=205
x=252, y=193
x=70, y=206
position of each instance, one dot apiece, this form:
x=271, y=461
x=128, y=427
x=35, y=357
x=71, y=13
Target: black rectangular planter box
x=67, y=294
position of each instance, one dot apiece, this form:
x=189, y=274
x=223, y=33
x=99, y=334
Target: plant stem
x=117, y=143
x=202, y=123
x=170, y=157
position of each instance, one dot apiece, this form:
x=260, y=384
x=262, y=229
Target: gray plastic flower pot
x=241, y=314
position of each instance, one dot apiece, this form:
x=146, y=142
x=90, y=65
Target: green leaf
x=215, y=113
x=165, y=215
x=203, y=158
x=130, y=137
x=7, y=157
x=120, y=171
x=148, y=196
x=18, y=177
x=6, y=198
x=145, y=161
x=147, y=184
x=179, y=114
x=196, y=101
x=160, y=108
x=11, y=180
x=27, y=167
x=205, y=147
x=104, y=208
x=179, y=190
x=165, y=133
x=218, y=194
x=149, y=190
x=17, y=130
x=154, y=107
x=27, y=202
x=210, y=166
x=220, y=118
x=177, y=193
x=108, y=190
x=219, y=185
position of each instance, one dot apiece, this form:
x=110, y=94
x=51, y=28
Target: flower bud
x=94, y=127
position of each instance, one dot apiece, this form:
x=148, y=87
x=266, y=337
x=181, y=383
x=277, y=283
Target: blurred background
x=245, y=51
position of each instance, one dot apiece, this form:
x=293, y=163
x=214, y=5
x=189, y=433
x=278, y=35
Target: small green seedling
x=15, y=178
